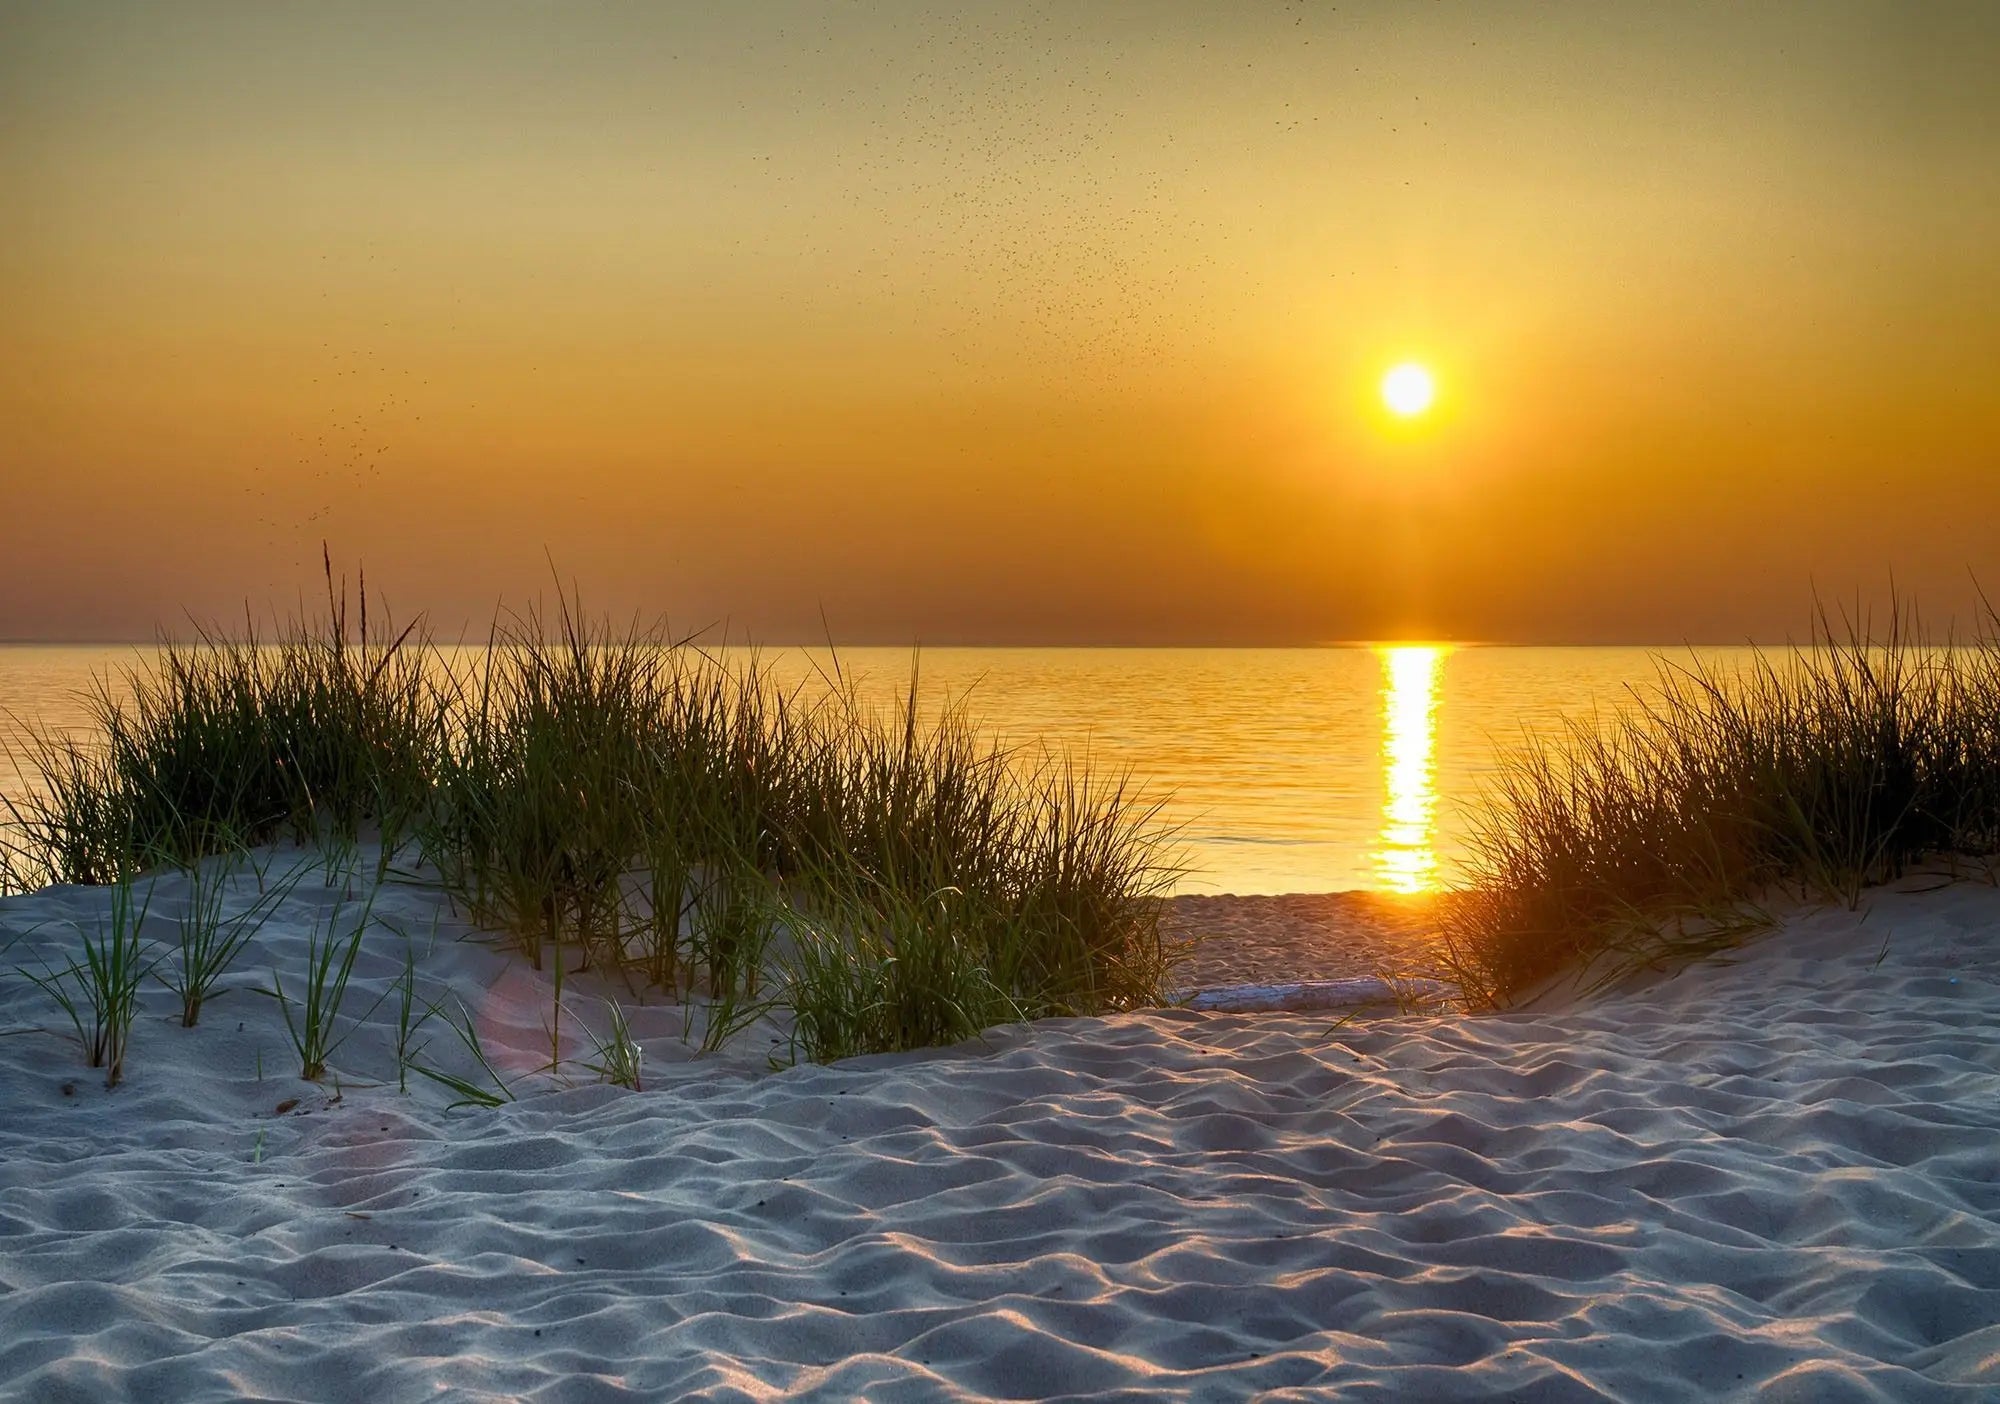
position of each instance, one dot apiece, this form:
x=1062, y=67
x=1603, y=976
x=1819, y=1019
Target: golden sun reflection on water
x=1406, y=858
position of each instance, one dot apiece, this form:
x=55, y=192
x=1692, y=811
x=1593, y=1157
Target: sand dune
x=1772, y=1180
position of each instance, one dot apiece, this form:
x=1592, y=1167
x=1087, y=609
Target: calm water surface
x=1289, y=770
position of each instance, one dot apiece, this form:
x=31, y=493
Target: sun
x=1408, y=389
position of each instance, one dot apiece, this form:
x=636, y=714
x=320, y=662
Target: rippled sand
x=1771, y=1180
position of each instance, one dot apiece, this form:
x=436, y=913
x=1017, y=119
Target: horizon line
x=920, y=644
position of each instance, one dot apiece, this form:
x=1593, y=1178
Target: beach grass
x=1667, y=831
x=100, y=992
x=616, y=1055
x=330, y=960
x=880, y=968
x=208, y=942
x=674, y=821
x=470, y=1093
x=227, y=741
x=627, y=803
x=412, y=1014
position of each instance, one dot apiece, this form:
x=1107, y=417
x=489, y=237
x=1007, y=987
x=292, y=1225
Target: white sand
x=1776, y=1180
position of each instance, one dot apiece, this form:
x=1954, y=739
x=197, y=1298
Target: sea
x=1350, y=768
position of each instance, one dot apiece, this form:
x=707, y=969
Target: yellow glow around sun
x=1408, y=389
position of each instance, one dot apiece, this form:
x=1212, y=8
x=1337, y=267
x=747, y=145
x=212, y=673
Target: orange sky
x=1055, y=323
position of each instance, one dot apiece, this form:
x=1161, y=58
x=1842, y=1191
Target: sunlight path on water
x=1406, y=859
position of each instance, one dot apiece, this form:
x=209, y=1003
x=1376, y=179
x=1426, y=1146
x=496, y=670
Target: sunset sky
x=1003, y=323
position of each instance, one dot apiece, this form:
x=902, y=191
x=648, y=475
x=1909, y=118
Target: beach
x=806, y=702
x=1767, y=1178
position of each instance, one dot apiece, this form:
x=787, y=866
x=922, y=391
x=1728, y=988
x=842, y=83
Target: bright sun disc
x=1408, y=389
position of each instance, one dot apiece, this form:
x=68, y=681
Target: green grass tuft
x=330, y=958
x=100, y=993
x=628, y=803
x=208, y=942
x=1665, y=833
x=227, y=742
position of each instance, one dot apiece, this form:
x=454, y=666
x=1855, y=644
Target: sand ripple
x=1778, y=1181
